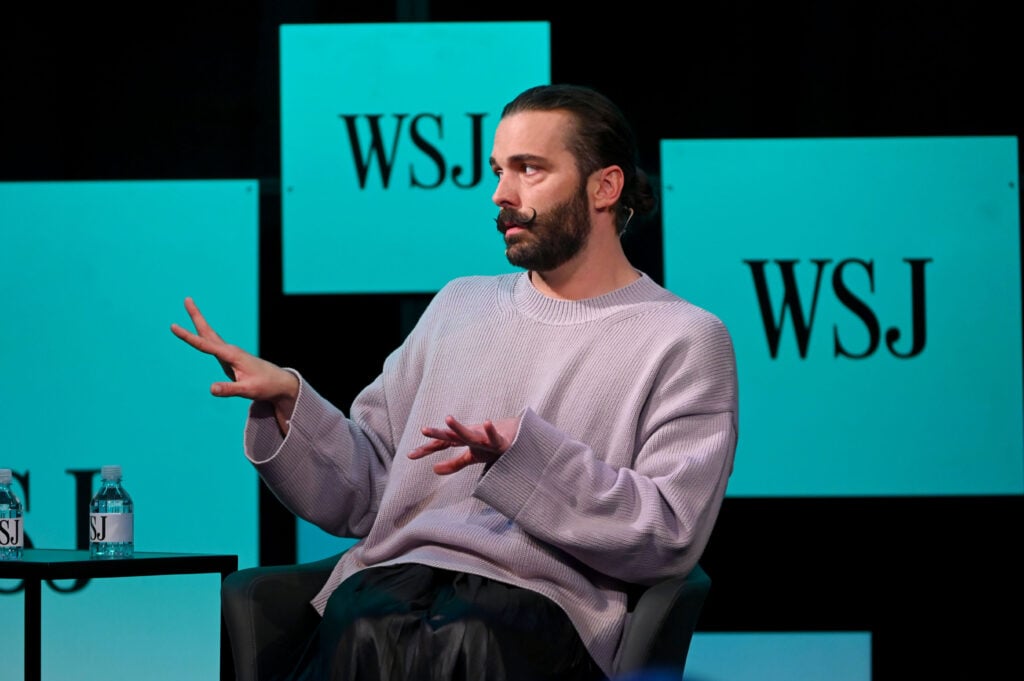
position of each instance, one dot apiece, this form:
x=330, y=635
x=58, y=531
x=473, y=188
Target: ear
x=606, y=187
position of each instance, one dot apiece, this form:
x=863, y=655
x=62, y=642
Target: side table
x=45, y=564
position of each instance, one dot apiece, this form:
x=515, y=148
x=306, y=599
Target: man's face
x=544, y=205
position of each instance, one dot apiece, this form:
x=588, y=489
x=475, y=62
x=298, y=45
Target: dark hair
x=602, y=137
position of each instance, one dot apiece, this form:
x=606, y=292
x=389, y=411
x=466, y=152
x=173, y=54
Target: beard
x=552, y=238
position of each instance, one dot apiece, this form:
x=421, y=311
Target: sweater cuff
x=263, y=439
x=514, y=477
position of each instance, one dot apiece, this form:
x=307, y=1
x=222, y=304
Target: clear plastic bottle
x=12, y=530
x=111, y=518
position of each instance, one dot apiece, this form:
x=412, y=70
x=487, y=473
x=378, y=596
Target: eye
x=530, y=169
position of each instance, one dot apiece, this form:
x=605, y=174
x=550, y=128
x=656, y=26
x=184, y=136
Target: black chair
x=269, y=618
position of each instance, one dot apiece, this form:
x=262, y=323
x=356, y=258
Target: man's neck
x=583, y=277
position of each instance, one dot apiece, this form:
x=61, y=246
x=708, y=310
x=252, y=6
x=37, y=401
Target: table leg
x=33, y=628
x=227, y=659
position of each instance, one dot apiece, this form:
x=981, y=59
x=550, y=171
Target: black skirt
x=417, y=623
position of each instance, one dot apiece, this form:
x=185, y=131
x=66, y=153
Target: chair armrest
x=657, y=637
x=268, y=615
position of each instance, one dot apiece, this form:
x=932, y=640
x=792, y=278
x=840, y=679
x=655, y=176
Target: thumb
x=226, y=389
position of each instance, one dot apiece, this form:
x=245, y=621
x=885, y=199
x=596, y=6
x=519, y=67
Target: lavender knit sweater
x=628, y=431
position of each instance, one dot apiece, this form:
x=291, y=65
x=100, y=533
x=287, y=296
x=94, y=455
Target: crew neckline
x=533, y=304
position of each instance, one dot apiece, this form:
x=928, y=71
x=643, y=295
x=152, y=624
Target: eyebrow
x=520, y=159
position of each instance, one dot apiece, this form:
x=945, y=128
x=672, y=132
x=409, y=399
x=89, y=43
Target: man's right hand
x=251, y=377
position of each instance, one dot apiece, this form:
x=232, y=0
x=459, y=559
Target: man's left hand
x=484, y=443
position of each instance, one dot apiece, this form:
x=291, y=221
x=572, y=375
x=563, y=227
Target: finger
x=215, y=347
x=465, y=433
x=493, y=437
x=199, y=343
x=440, y=434
x=199, y=321
x=220, y=389
x=229, y=389
x=429, y=448
x=180, y=331
x=455, y=464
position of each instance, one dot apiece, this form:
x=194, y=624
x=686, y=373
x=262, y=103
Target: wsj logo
x=371, y=147
x=10, y=532
x=794, y=306
x=97, y=531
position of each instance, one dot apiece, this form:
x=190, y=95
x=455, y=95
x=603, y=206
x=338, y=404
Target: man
x=537, y=444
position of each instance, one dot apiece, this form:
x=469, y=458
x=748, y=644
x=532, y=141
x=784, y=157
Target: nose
x=505, y=195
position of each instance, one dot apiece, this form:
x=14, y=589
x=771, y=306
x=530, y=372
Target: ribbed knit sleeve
x=329, y=470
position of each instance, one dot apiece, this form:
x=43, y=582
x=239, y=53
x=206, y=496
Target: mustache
x=508, y=217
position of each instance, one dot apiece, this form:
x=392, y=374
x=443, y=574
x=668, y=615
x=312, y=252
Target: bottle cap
x=5, y=476
x=111, y=472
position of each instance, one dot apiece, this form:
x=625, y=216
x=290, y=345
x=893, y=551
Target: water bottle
x=111, y=518
x=12, y=533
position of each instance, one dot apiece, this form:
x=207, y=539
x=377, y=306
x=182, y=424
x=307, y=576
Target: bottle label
x=111, y=527
x=11, y=535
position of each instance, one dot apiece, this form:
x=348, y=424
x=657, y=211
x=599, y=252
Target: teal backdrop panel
x=312, y=543
x=92, y=274
x=777, y=656
x=386, y=132
x=872, y=287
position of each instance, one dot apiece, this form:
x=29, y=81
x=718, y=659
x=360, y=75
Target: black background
x=188, y=90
